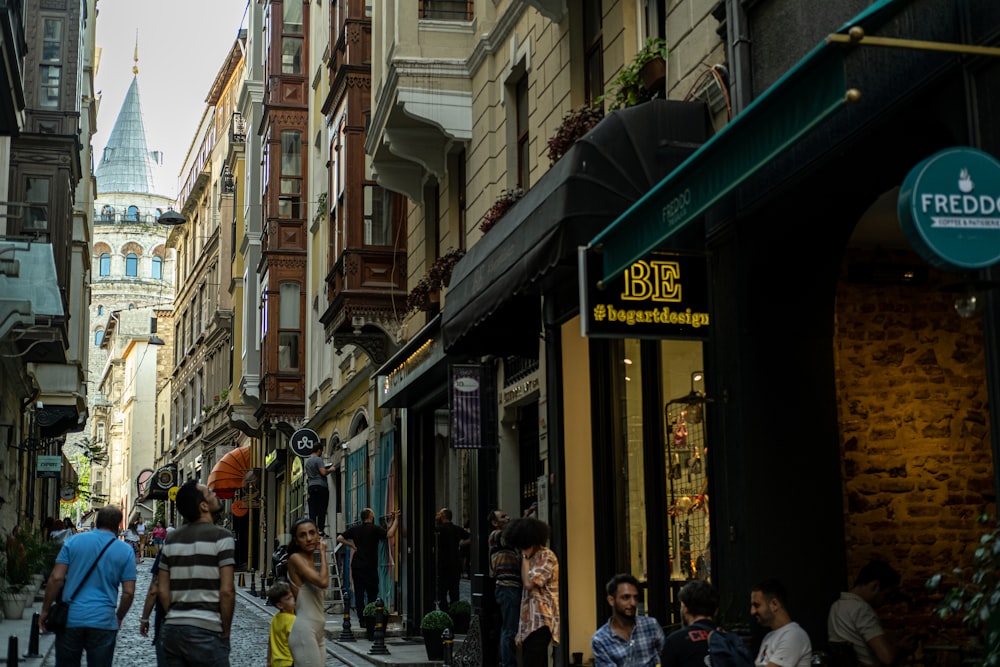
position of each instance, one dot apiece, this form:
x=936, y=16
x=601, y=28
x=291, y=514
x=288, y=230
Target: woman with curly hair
x=539, y=624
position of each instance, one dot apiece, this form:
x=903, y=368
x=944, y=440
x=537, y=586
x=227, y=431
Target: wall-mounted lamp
x=171, y=218
x=970, y=294
x=238, y=128
x=228, y=181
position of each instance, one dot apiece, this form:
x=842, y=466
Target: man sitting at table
x=853, y=620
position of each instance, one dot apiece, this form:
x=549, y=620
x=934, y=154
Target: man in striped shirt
x=196, y=583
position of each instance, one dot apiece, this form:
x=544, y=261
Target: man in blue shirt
x=627, y=639
x=93, y=617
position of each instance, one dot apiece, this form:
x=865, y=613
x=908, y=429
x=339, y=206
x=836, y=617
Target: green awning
x=804, y=97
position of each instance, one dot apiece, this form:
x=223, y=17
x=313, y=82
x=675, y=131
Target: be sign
x=303, y=442
x=949, y=208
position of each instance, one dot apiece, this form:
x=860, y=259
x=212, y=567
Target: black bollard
x=378, y=646
x=12, y=656
x=346, y=635
x=253, y=582
x=33, y=638
x=448, y=642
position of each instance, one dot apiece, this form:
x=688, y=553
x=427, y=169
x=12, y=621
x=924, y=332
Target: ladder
x=333, y=598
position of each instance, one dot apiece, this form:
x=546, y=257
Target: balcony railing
x=446, y=10
x=123, y=219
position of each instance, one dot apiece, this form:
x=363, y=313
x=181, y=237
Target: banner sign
x=663, y=295
x=49, y=467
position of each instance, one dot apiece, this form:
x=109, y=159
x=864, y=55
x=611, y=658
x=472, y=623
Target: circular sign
x=67, y=493
x=240, y=508
x=172, y=492
x=303, y=442
x=949, y=208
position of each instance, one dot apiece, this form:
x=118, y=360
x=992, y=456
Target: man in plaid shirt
x=627, y=639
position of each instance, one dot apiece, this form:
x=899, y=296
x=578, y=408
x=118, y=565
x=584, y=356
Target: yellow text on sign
x=653, y=281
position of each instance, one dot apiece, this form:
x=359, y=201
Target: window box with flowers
x=427, y=292
x=503, y=203
x=574, y=125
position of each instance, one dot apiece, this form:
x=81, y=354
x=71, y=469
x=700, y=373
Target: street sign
x=49, y=467
x=303, y=442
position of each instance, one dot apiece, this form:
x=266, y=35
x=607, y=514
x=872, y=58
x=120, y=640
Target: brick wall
x=914, y=425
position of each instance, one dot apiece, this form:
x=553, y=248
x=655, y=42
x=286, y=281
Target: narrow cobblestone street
x=248, y=645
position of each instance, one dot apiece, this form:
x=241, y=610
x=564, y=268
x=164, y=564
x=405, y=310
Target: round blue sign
x=949, y=208
x=303, y=442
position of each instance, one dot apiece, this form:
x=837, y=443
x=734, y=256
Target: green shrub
x=460, y=608
x=436, y=620
x=369, y=609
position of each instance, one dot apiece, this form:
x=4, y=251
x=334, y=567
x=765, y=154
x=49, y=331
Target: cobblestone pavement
x=248, y=645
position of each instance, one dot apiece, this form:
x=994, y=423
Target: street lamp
x=171, y=218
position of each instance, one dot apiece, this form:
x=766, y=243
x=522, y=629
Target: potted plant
x=431, y=626
x=503, y=203
x=461, y=613
x=574, y=125
x=368, y=619
x=640, y=80
x=974, y=596
x=17, y=574
x=427, y=291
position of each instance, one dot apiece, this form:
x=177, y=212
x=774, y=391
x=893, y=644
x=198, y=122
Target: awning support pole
x=856, y=35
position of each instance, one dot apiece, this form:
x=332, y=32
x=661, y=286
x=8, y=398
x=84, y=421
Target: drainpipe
x=738, y=53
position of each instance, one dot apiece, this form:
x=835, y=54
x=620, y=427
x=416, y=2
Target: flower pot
x=13, y=605
x=434, y=644
x=653, y=74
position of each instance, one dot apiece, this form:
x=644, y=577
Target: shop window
x=131, y=264
x=105, y=263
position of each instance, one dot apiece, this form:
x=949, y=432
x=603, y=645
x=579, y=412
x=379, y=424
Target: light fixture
x=238, y=128
x=228, y=181
x=171, y=218
x=970, y=295
x=155, y=340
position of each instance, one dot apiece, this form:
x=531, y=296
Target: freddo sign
x=949, y=208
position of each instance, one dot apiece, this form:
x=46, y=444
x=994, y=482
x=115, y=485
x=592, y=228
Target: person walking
x=539, y=622
x=196, y=584
x=159, y=535
x=627, y=639
x=363, y=539
x=92, y=566
x=317, y=488
x=131, y=537
x=140, y=530
x=505, y=569
x=309, y=579
x=450, y=539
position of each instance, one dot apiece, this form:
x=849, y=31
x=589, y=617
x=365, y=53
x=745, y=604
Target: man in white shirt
x=787, y=645
x=853, y=619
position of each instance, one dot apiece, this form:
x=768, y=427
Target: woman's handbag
x=58, y=616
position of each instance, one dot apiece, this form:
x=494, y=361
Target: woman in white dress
x=309, y=581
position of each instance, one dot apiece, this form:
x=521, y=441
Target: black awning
x=492, y=304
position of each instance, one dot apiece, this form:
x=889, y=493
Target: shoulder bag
x=58, y=614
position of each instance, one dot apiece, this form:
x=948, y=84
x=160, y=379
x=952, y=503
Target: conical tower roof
x=127, y=165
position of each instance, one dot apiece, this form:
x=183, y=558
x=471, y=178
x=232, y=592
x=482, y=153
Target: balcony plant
x=431, y=626
x=503, y=203
x=639, y=80
x=574, y=125
x=461, y=613
x=427, y=290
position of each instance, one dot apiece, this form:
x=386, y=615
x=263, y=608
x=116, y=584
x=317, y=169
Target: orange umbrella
x=228, y=473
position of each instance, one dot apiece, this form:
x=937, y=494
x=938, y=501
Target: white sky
x=182, y=44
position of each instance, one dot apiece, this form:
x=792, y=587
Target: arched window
x=132, y=214
x=131, y=264
x=98, y=337
x=158, y=213
x=157, y=272
x=105, y=264
x=131, y=306
x=100, y=310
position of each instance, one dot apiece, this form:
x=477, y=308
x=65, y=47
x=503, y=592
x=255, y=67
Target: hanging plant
x=503, y=203
x=422, y=296
x=575, y=124
x=627, y=88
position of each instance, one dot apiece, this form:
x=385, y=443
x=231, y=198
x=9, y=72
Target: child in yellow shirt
x=278, y=653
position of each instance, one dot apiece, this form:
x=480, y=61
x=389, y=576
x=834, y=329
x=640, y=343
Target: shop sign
x=472, y=397
x=949, y=208
x=663, y=295
x=303, y=442
x=49, y=467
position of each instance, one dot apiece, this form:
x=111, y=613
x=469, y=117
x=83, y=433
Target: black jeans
x=319, y=499
x=535, y=648
x=365, y=580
